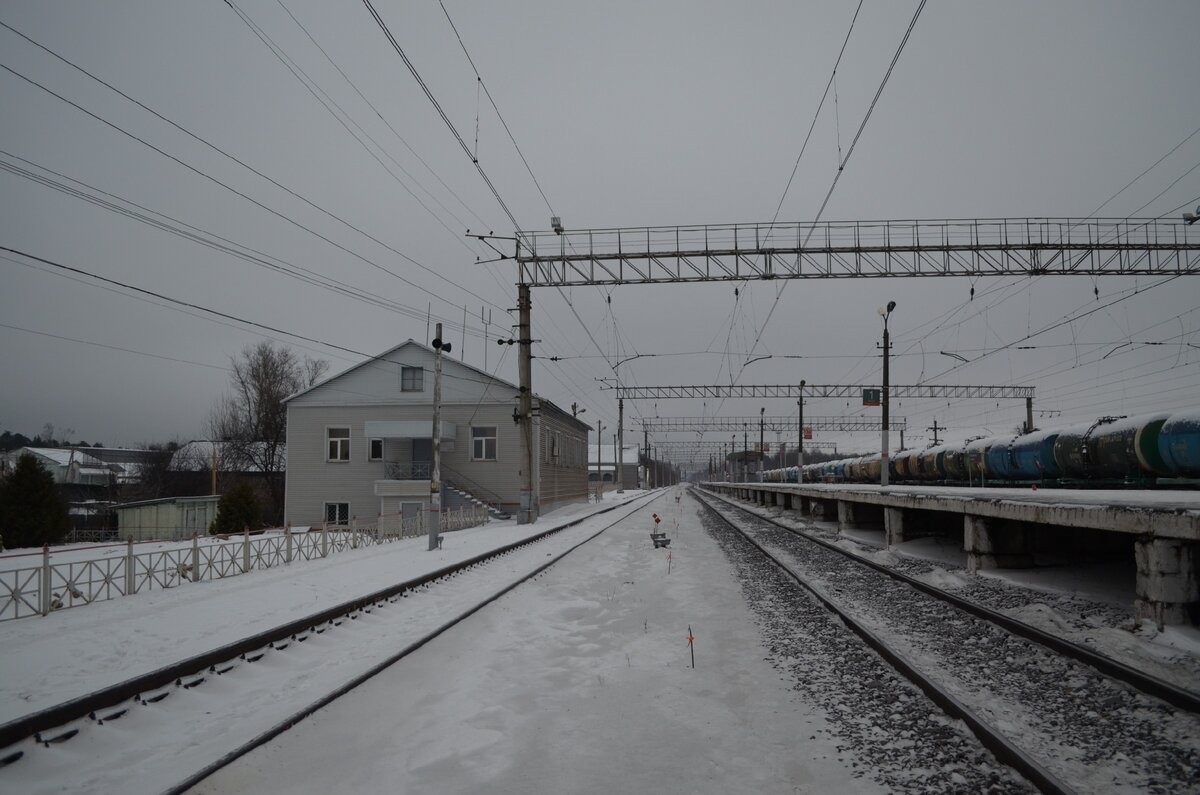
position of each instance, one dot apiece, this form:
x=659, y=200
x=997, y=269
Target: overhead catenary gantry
x=773, y=424
x=856, y=249
x=819, y=391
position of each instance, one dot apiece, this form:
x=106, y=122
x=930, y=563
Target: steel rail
x=106, y=698
x=1186, y=700
x=990, y=738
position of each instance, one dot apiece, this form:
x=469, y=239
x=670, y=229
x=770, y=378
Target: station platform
x=1009, y=527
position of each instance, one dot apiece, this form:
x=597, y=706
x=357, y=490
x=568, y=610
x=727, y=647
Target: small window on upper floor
x=337, y=444
x=412, y=379
x=375, y=452
x=483, y=443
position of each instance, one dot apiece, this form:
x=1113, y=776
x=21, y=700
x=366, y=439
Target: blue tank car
x=1179, y=444
x=1033, y=456
x=998, y=461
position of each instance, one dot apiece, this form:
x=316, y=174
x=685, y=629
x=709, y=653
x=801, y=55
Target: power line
x=241, y=163
x=842, y=165
x=206, y=238
x=326, y=101
x=496, y=108
x=113, y=347
x=437, y=106
x=813, y=124
x=380, y=116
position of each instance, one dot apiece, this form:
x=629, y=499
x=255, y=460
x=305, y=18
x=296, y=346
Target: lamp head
x=891, y=305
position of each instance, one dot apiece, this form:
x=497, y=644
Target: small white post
x=44, y=596
x=246, y=550
x=354, y=532
x=325, y=540
x=195, y=558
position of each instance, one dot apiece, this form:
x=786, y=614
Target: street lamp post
x=800, y=440
x=883, y=461
x=761, y=449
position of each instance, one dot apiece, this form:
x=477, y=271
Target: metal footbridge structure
x=857, y=249
x=829, y=250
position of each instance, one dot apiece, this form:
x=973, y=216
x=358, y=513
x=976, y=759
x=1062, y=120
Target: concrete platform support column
x=845, y=514
x=1167, y=589
x=992, y=545
x=800, y=504
x=893, y=526
x=783, y=499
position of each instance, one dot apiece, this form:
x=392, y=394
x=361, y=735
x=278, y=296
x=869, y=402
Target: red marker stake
x=691, y=647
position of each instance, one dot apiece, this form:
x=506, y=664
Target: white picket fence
x=48, y=586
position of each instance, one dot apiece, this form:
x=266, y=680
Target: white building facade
x=359, y=445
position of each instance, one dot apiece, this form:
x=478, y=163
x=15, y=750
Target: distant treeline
x=14, y=441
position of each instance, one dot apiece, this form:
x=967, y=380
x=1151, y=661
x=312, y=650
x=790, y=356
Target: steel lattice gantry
x=855, y=249
x=683, y=447
x=820, y=391
x=773, y=424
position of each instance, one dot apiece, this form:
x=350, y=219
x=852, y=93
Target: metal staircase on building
x=459, y=490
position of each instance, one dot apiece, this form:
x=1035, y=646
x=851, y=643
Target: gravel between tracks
x=1093, y=733
x=889, y=730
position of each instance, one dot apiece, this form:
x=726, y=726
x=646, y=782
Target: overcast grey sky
x=629, y=114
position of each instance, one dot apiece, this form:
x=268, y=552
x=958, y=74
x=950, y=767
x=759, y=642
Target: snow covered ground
x=578, y=681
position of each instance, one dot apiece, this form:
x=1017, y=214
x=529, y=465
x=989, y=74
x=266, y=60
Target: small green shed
x=169, y=518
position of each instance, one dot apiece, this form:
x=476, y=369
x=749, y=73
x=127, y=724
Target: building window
x=337, y=512
x=375, y=452
x=412, y=379
x=483, y=443
x=338, y=444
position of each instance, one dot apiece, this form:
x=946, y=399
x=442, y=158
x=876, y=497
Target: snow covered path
x=578, y=681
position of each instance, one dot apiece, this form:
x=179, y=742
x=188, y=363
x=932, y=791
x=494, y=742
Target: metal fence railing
x=400, y=470
x=48, y=586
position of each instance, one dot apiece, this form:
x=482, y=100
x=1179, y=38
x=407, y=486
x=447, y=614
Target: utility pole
x=935, y=430
x=646, y=458
x=1029, y=412
x=621, y=445
x=435, y=478
x=745, y=455
x=599, y=457
x=617, y=468
x=528, y=510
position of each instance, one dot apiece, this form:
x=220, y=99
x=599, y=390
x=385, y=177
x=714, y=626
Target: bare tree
x=251, y=420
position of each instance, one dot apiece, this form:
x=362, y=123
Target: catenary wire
x=236, y=160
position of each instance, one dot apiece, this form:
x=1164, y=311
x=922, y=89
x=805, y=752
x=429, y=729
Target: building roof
x=167, y=500
x=384, y=356
x=491, y=378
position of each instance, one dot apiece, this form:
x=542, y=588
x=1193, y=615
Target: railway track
x=235, y=698
x=1066, y=720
